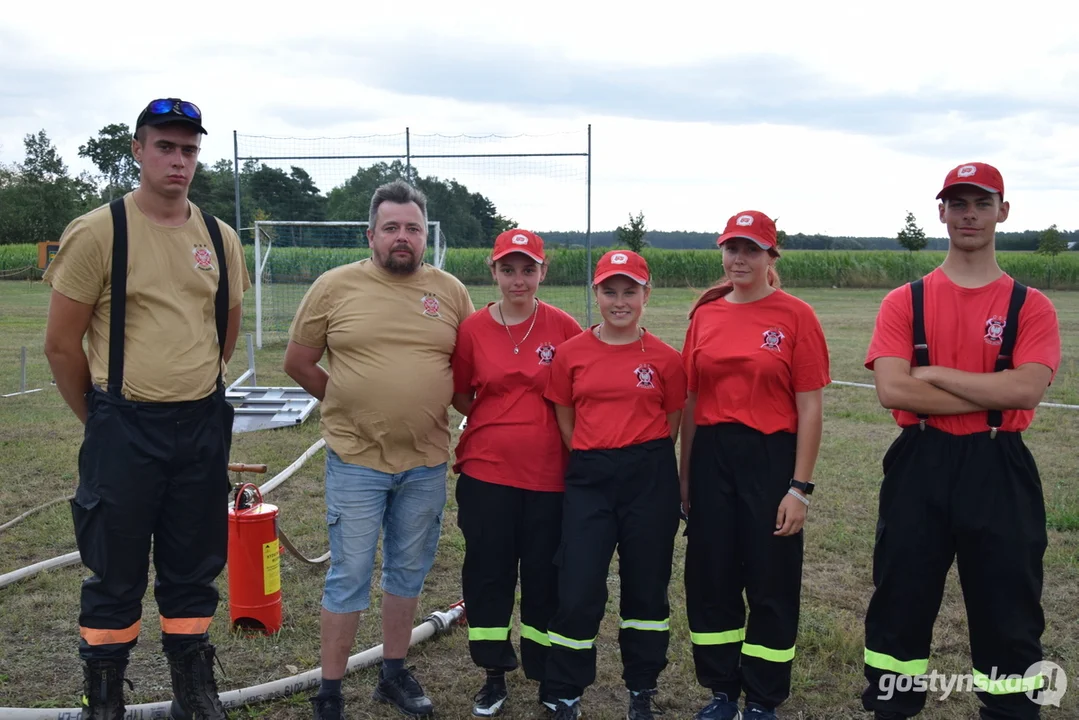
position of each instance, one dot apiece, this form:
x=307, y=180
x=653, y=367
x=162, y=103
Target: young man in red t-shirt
x=510, y=460
x=959, y=481
x=757, y=364
x=618, y=392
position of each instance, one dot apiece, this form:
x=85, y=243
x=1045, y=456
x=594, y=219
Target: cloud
x=740, y=90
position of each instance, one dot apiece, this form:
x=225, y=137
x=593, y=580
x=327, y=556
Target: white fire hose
x=437, y=623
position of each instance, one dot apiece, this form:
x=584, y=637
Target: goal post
x=289, y=255
x=301, y=193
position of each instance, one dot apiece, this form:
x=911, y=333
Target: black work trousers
x=977, y=500
x=626, y=498
x=507, y=528
x=738, y=478
x=151, y=472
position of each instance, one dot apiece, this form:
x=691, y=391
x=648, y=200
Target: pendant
x=515, y=350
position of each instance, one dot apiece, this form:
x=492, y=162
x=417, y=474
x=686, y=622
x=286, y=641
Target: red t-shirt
x=957, y=324
x=511, y=437
x=621, y=393
x=746, y=361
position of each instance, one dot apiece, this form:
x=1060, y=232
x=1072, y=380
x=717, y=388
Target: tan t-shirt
x=170, y=339
x=388, y=339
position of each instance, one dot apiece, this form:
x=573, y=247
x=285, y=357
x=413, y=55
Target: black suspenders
x=118, y=310
x=995, y=418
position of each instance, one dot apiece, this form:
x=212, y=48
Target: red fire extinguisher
x=254, y=562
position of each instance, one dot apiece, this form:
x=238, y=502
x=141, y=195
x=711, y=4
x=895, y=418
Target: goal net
x=302, y=202
x=290, y=254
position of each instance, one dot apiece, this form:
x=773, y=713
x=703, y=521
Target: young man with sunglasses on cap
x=962, y=357
x=156, y=286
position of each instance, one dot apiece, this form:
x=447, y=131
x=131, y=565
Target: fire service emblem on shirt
x=994, y=330
x=204, y=259
x=772, y=339
x=646, y=374
x=430, y=305
x=546, y=353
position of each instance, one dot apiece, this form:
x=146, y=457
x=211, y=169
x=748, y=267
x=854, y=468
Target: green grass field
x=39, y=442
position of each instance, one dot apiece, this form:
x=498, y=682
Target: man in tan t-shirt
x=156, y=285
x=388, y=326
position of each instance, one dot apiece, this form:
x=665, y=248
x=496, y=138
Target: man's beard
x=397, y=265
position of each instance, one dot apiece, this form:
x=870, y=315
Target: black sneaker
x=641, y=707
x=489, y=700
x=565, y=711
x=404, y=692
x=331, y=707
x=720, y=708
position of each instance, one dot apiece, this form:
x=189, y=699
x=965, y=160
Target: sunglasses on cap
x=172, y=106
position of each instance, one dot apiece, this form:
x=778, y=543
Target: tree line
x=39, y=197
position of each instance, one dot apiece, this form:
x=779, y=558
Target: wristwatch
x=805, y=487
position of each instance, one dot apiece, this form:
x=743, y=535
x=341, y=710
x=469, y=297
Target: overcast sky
x=835, y=117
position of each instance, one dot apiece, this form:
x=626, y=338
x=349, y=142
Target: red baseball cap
x=977, y=174
x=621, y=262
x=751, y=225
x=521, y=241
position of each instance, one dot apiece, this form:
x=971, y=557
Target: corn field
x=670, y=268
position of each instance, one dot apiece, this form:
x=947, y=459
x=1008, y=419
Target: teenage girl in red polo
x=618, y=392
x=511, y=462
x=757, y=362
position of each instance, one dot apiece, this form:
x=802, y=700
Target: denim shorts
x=360, y=501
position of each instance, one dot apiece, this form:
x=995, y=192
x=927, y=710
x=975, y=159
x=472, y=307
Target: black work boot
x=194, y=688
x=103, y=690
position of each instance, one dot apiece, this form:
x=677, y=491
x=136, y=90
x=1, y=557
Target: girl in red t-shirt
x=618, y=392
x=510, y=461
x=756, y=362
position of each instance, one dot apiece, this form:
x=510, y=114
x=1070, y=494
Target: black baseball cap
x=171, y=110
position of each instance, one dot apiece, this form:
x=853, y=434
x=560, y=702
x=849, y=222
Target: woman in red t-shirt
x=756, y=362
x=510, y=460
x=618, y=392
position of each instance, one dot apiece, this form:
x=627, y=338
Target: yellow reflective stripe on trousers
x=481, y=633
x=880, y=661
x=765, y=653
x=719, y=638
x=530, y=633
x=1007, y=684
x=657, y=625
x=570, y=643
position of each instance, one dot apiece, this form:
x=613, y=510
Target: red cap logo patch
x=744, y=220
x=966, y=171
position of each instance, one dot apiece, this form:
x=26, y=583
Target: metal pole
x=236, y=178
x=22, y=371
x=408, y=155
x=258, y=287
x=588, y=239
x=251, y=359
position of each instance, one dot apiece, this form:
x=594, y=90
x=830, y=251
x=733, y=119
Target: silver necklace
x=640, y=334
x=535, y=314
